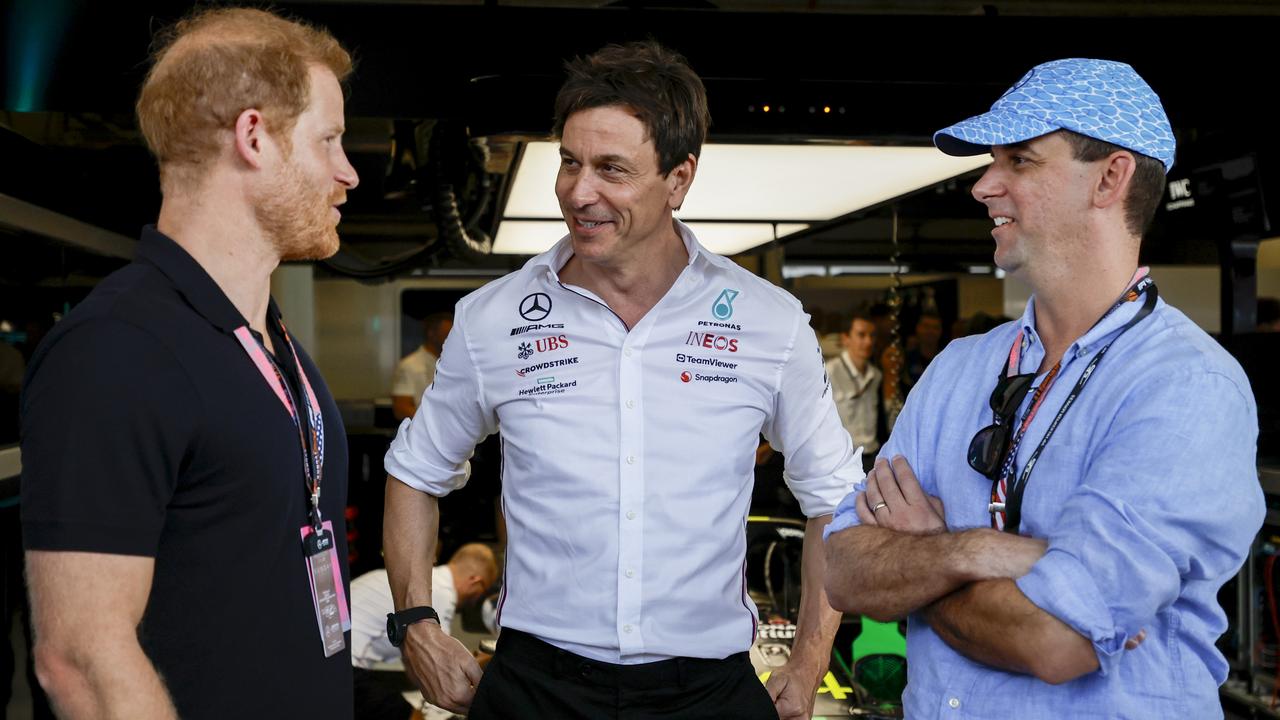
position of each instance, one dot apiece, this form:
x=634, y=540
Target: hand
x=894, y=499
x=1133, y=642
x=443, y=669
x=794, y=689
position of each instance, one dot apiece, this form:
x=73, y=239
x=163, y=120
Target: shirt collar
x=860, y=376
x=554, y=258
x=1033, y=348
x=192, y=281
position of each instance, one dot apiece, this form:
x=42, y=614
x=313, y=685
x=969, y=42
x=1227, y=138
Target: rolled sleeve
x=1062, y=586
x=1169, y=498
x=846, y=512
x=821, y=463
x=431, y=451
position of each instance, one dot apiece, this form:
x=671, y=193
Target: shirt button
x=954, y=703
x=631, y=573
x=626, y=628
x=631, y=404
x=627, y=352
x=631, y=514
x=631, y=459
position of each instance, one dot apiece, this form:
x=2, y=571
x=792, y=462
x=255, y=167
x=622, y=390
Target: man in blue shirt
x=1067, y=493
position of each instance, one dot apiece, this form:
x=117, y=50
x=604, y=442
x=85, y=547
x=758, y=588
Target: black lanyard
x=1013, y=503
x=310, y=422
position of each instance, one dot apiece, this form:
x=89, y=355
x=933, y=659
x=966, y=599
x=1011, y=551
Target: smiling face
x=298, y=207
x=1038, y=195
x=613, y=198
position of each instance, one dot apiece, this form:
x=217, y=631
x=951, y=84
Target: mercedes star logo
x=535, y=307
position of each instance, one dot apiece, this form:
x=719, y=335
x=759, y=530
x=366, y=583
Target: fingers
x=938, y=507
x=864, y=511
x=906, y=479
x=472, y=672
x=888, y=485
x=1133, y=642
x=788, y=706
x=872, y=493
x=775, y=685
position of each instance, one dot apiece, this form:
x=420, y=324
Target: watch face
x=393, y=630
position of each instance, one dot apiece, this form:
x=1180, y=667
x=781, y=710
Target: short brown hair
x=216, y=63
x=656, y=84
x=1146, y=188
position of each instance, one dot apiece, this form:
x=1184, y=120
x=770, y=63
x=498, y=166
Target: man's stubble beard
x=295, y=218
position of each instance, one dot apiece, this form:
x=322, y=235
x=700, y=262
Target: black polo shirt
x=147, y=430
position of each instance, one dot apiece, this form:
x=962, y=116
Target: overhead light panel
x=783, y=187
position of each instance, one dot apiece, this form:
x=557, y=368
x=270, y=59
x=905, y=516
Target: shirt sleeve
x=431, y=451
x=108, y=417
x=821, y=462
x=1170, y=498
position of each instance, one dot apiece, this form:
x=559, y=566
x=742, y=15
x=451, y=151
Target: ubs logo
x=547, y=344
x=535, y=306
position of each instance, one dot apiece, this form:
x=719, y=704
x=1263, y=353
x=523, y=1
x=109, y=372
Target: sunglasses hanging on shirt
x=993, y=450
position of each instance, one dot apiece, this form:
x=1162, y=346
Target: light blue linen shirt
x=1147, y=494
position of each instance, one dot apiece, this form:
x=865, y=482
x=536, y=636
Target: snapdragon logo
x=687, y=376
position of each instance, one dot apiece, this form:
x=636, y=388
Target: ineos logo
x=535, y=307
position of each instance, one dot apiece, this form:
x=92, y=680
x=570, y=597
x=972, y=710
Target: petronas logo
x=722, y=308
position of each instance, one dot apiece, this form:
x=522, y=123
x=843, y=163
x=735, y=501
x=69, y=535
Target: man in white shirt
x=632, y=372
x=416, y=370
x=462, y=582
x=855, y=385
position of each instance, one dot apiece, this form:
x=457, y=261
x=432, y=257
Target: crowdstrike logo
x=547, y=365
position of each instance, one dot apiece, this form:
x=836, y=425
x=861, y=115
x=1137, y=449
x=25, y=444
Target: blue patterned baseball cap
x=1101, y=99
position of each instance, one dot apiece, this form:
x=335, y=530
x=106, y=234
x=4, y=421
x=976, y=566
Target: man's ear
x=680, y=179
x=250, y=136
x=1114, y=180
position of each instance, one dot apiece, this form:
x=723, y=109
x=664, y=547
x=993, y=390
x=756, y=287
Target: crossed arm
x=902, y=559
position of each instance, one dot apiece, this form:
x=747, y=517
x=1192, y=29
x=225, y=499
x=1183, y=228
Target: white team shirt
x=628, y=456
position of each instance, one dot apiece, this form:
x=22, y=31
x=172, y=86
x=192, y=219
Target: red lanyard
x=312, y=443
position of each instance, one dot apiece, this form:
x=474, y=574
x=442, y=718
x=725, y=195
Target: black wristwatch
x=398, y=623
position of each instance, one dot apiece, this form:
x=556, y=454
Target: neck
x=433, y=349
x=1070, y=306
x=635, y=282
x=859, y=364
x=230, y=246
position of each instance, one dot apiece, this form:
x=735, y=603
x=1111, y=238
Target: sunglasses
x=989, y=445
